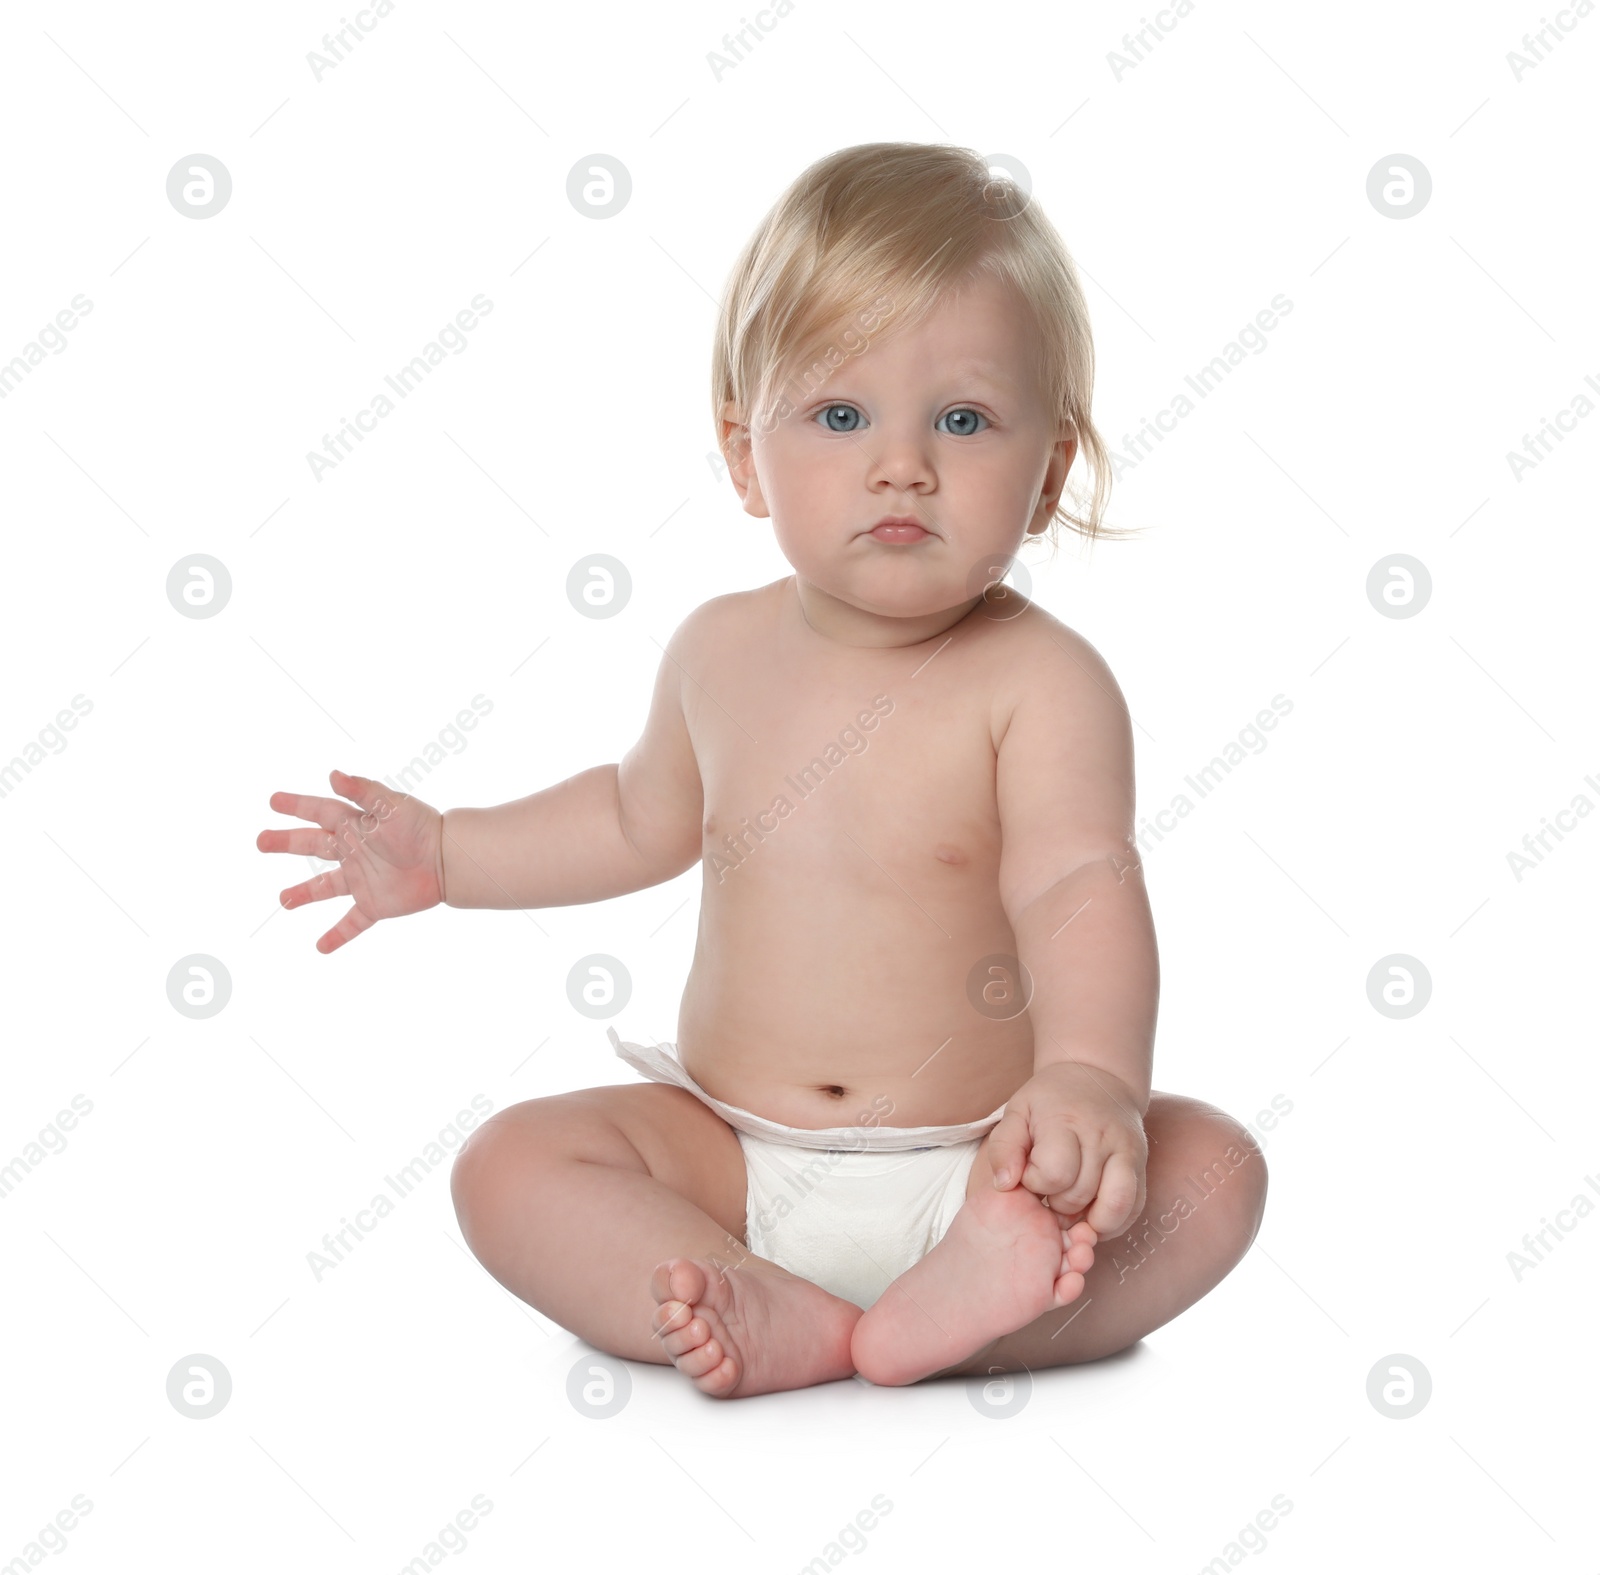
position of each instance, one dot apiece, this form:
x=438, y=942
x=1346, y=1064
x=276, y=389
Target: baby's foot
x=1004, y=1262
x=752, y=1328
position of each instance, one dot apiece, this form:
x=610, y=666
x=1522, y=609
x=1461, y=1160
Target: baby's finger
x=1078, y=1193
x=350, y=926
x=371, y=796
x=327, y=812
x=1007, y=1148
x=1120, y=1199
x=1071, y=1219
x=330, y=883
x=1056, y=1163
x=303, y=839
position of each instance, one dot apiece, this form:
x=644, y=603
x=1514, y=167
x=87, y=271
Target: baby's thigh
x=652, y=1128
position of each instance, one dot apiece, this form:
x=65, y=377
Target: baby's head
x=905, y=335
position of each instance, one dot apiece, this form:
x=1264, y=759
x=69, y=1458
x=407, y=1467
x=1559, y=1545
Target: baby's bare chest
x=828, y=775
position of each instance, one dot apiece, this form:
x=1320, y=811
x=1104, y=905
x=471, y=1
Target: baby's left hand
x=1072, y=1135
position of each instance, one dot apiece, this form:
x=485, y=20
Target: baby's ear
x=730, y=429
x=1060, y=467
x=736, y=455
x=736, y=452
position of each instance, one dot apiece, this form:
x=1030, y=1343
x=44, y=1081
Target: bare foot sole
x=751, y=1329
x=1004, y=1262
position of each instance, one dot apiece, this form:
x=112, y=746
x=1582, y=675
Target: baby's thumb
x=1008, y=1148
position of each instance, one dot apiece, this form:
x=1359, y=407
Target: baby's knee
x=1219, y=1159
x=473, y=1170
x=494, y=1161
x=1246, y=1176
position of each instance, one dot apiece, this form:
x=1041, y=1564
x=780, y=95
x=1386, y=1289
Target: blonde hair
x=869, y=239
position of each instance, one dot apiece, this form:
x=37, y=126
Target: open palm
x=388, y=848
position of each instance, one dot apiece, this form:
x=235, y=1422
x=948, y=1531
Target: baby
x=906, y=1128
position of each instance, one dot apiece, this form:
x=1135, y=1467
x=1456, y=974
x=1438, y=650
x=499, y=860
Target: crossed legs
x=619, y=1213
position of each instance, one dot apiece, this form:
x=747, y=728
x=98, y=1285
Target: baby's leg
x=1205, y=1192
x=619, y=1213
x=1004, y=1252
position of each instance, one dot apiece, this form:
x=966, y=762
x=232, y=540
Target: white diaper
x=848, y=1208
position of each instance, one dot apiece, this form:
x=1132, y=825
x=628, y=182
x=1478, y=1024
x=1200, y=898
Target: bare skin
x=888, y=779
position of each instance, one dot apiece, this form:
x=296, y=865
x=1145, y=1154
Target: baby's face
x=944, y=424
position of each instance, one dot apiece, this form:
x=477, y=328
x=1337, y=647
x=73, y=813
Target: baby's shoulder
x=1038, y=643
x=722, y=622
x=1047, y=663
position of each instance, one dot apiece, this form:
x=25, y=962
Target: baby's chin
x=897, y=591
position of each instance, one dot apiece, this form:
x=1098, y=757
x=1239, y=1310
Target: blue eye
x=848, y=413
x=828, y=411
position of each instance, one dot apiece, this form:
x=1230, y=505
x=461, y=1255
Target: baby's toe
x=1080, y=1256
x=678, y=1279
x=1069, y=1287
x=703, y=1362
x=677, y=1342
x=719, y=1379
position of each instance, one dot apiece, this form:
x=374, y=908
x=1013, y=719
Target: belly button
x=947, y=854
x=833, y=1088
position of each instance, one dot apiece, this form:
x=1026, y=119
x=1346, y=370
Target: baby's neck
x=840, y=623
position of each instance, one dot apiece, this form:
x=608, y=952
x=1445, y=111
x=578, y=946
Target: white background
x=368, y=608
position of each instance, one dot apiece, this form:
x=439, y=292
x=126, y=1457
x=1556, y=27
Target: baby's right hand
x=391, y=858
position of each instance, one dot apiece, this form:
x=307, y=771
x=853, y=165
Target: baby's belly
x=818, y=999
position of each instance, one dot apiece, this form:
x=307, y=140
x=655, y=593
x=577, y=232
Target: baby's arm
x=608, y=830
x=1073, y=887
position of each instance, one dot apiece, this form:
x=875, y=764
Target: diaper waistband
x=660, y=1063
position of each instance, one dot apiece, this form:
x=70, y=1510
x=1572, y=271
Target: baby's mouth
x=899, y=528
